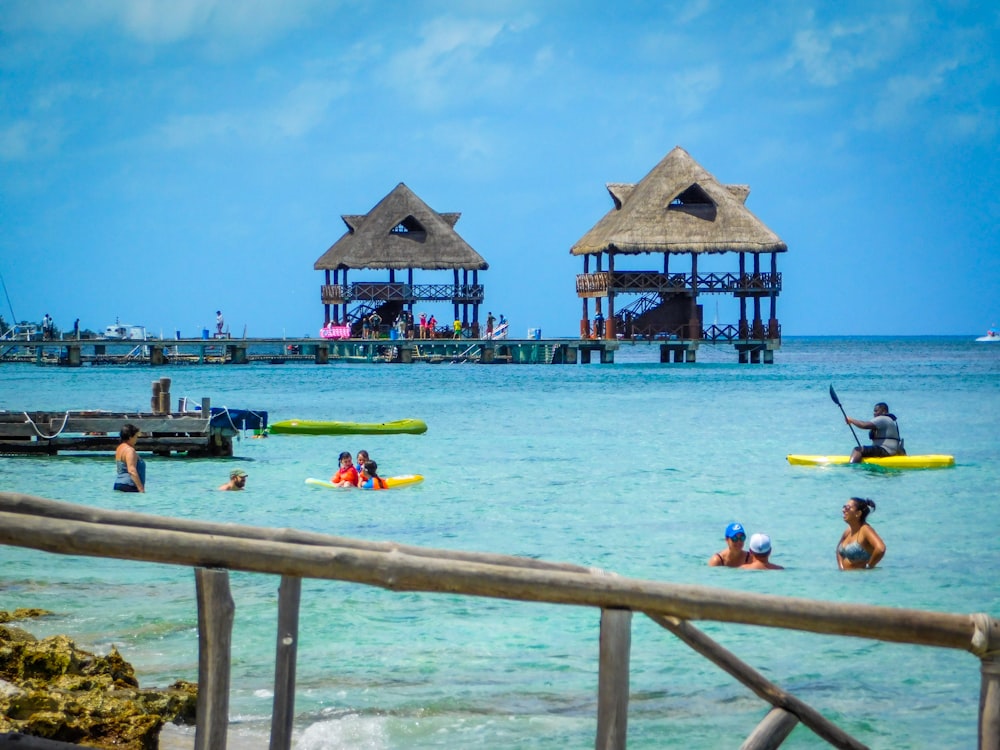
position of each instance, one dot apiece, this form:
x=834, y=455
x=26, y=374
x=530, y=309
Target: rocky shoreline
x=50, y=688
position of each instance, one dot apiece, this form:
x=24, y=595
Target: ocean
x=635, y=467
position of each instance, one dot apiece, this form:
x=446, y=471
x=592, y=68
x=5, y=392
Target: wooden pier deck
x=205, y=432
x=158, y=352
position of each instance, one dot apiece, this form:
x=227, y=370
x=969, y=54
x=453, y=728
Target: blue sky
x=160, y=160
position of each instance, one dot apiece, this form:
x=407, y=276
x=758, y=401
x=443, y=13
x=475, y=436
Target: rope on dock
x=38, y=432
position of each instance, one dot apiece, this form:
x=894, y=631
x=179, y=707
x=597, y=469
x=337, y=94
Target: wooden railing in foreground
x=214, y=548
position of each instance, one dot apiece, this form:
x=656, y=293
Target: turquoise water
x=634, y=467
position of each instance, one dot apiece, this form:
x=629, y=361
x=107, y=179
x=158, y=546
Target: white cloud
x=220, y=23
x=837, y=53
x=25, y=139
x=302, y=110
x=450, y=63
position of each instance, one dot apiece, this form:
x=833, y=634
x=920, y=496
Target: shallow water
x=634, y=467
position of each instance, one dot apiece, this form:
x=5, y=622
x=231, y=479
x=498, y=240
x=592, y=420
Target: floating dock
x=50, y=433
x=195, y=430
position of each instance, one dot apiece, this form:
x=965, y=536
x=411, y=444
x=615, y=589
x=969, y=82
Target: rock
x=49, y=688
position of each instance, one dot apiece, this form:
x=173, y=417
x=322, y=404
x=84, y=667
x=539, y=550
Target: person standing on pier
x=76, y=329
x=490, y=320
x=219, y=323
x=131, y=476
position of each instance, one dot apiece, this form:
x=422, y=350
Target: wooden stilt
x=772, y=731
x=289, y=594
x=215, y=635
x=612, y=680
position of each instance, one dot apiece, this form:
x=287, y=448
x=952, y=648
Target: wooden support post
x=73, y=358
x=215, y=634
x=989, y=704
x=322, y=354
x=987, y=638
x=238, y=354
x=289, y=594
x=772, y=731
x=612, y=679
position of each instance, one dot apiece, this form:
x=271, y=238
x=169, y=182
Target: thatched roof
x=401, y=232
x=679, y=208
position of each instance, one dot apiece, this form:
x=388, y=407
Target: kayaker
x=733, y=556
x=860, y=546
x=369, y=479
x=884, y=434
x=760, y=553
x=237, y=481
x=347, y=475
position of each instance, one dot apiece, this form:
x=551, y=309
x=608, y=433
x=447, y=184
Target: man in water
x=760, y=552
x=237, y=481
x=884, y=434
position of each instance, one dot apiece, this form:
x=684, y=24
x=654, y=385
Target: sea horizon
x=635, y=469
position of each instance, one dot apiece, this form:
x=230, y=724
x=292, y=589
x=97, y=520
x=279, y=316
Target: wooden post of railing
x=215, y=637
x=986, y=645
x=613, y=679
x=289, y=593
x=772, y=731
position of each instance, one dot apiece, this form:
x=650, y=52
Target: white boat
x=991, y=335
x=124, y=332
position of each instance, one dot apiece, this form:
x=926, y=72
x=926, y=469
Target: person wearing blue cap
x=733, y=556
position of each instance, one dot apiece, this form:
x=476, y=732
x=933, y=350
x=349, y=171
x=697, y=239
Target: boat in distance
x=925, y=461
x=316, y=427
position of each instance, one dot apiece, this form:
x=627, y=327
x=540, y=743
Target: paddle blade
x=833, y=395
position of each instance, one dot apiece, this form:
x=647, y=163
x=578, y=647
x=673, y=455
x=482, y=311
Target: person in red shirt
x=347, y=475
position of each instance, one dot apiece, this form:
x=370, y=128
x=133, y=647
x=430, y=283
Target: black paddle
x=833, y=395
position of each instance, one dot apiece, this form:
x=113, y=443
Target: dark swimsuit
x=745, y=559
x=854, y=552
x=124, y=481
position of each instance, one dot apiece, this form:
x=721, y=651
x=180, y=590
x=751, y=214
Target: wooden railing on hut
x=215, y=548
x=600, y=283
x=366, y=291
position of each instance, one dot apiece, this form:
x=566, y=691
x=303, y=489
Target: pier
x=158, y=352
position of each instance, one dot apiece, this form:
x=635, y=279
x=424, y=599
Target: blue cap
x=733, y=529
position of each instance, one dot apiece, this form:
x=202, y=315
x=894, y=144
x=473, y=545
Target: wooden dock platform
x=206, y=432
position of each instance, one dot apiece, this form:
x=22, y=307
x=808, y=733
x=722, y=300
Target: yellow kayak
x=391, y=483
x=926, y=461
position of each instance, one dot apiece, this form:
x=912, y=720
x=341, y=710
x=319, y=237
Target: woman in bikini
x=733, y=556
x=860, y=546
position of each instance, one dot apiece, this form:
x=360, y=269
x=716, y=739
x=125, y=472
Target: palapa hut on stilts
x=680, y=209
x=400, y=234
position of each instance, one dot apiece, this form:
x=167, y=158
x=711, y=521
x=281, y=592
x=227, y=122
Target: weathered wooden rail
x=214, y=548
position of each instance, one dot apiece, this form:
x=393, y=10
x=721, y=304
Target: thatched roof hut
x=401, y=232
x=678, y=207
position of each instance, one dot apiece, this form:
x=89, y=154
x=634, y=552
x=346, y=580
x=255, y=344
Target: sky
x=162, y=159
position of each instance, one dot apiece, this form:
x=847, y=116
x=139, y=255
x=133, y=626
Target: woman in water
x=733, y=556
x=860, y=545
x=131, y=476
